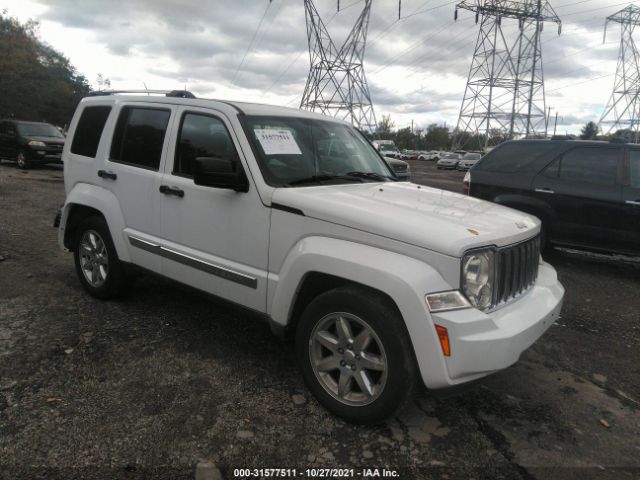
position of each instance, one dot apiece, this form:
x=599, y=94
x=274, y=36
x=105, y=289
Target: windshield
x=387, y=148
x=450, y=155
x=38, y=130
x=299, y=151
x=472, y=156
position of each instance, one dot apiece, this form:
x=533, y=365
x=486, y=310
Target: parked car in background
x=433, y=155
x=448, y=160
x=387, y=148
x=29, y=143
x=468, y=161
x=409, y=155
x=295, y=216
x=586, y=193
x=400, y=168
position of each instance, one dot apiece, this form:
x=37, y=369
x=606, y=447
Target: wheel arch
x=315, y=283
x=86, y=200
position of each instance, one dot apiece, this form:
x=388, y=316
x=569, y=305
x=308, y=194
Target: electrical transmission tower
x=504, y=96
x=623, y=110
x=337, y=85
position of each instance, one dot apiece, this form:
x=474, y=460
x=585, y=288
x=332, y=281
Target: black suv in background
x=30, y=142
x=586, y=193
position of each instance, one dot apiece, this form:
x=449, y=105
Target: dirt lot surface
x=147, y=386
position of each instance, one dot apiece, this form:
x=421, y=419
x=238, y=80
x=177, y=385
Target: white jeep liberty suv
x=296, y=216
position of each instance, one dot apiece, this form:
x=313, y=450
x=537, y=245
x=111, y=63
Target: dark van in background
x=587, y=193
x=28, y=143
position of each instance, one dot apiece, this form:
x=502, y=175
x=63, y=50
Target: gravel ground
x=147, y=386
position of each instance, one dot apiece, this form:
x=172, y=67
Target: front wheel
x=355, y=354
x=22, y=160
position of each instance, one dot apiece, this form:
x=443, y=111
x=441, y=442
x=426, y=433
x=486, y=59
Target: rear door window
x=89, y=130
x=590, y=165
x=139, y=136
x=513, y=157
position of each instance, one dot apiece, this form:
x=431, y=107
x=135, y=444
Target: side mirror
x=219, y=173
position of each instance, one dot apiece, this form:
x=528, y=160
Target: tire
x=22, y=160
x=99, y=269
x=379, y=377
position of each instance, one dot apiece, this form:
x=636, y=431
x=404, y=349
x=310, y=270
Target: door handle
x=545, y=190
x=633, y=202
x=105, y=174
x=167, y=190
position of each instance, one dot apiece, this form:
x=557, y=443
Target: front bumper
x=483, y=343
x=46, y=154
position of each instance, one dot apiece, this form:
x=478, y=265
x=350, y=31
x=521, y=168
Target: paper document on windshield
x=276, y=142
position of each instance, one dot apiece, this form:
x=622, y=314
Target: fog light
x=444, y=301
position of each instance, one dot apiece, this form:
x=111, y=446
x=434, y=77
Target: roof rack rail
x=167, y=93
x=620, y=140
x=563, y=137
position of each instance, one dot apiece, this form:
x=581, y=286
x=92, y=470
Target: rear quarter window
x=513, y=157
x=89, y=130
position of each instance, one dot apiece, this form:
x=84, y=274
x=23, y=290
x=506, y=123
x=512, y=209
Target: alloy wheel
x=21, y=160
x=94, y=260
x=348, y=359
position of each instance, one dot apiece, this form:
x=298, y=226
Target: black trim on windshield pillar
x=284, y=208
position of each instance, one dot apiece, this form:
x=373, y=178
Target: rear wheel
x=99, y=269
x=355, y=354
x=22, y=160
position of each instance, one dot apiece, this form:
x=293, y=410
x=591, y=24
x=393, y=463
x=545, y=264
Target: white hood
x=438, y=220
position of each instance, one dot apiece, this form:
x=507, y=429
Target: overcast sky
x=417, y=67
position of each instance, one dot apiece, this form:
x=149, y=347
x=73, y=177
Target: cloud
x=417, y=67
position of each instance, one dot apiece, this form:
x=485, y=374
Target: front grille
x=55, y=147
x=516, y=270
x=400, y=168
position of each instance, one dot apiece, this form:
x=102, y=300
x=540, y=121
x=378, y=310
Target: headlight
x=478, y=278
x=35, y=143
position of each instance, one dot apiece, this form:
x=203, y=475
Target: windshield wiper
x=321, y=178
x=371, y=175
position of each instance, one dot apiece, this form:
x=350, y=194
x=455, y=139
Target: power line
x=593, y=9
x=395, y=22
x=413, y=46
x=580, y=83
x=235, y=75
x=571, y=4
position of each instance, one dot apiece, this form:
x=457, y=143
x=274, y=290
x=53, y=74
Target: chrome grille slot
x=516, y=270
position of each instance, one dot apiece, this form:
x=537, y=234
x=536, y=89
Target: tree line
x=37, y=82
x=433, y=137
x=440, y=137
